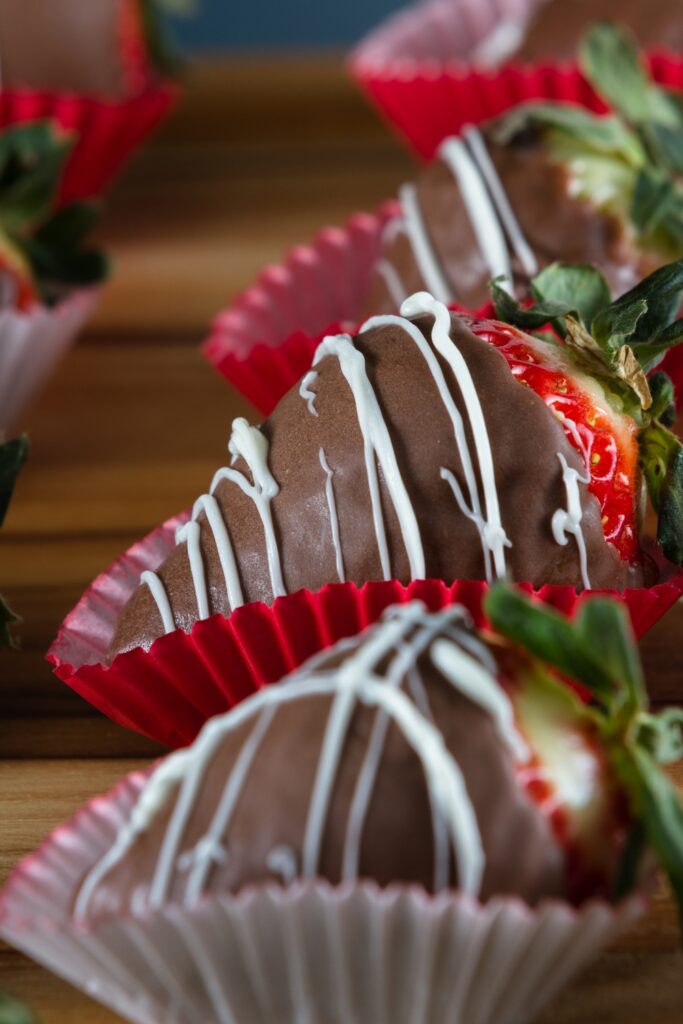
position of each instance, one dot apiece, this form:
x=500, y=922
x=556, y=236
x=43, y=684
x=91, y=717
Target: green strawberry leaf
x=599, y=650
x=13, y=1012
x=665, y=143
x=606, y=135
x=616, y=324
x=629, y=866
x=661, y=291
x=553, y=638
x=653, y=196
x=611, y=62
x=70, y=225
x=661, y=459
x=32, y=161
x=579, y=288
x=662, y=735
x=663, y=399
x=604, y=627
x=12, y=457
x=509, y=310
x=656, y=802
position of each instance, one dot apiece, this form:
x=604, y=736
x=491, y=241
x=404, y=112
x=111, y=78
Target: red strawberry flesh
x=605, y=438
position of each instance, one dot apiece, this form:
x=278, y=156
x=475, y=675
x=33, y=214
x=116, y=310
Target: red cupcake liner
x=106, y=131
x=168, y=692
x=416, y=69
x=264, y=342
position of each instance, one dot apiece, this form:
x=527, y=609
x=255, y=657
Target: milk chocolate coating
x=557, y=28
x=522, y=855
x=62, y=45
x=525, y=441
x=556, y=226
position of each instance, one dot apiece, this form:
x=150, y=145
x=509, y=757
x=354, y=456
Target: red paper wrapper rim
x=168, y=692
x=106, y=130
x=394, y=85
x=269, y=310
x=104, y=812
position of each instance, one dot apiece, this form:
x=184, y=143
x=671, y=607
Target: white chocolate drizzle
x=158, y=592
x=305, y=392
x=486, y=167
x=480, y=208
x=496, y=227
x=426, y=258
x=248, y=443
x=334, y=518
x=409, y=633
x=567, y=522
x=494, y=540
x=377, y=447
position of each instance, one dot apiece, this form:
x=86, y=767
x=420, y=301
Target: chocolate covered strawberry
x=423, y=751
x=546, y=182
x=43, y=254
x=425, y=790
x=443, y=446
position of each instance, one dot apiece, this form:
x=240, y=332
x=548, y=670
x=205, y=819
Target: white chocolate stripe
x=214, y=516
x=487, y=169
x=480, y=209
x=405, y=660
x=569, y=521
x=190, y=534
x=249, y=443
x=158, y=592
x=426, y=259
x=405, y=628
x=377, y=445
x=474, y=681
x=334, y=518
x=472, y=512
x=394, y=285
x=227, y=804
x=305, y=392
x=495, y=537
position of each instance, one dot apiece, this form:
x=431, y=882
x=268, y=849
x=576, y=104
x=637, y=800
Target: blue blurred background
x=279, y=24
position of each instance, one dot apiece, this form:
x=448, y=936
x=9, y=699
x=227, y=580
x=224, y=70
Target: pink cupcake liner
x=170, y=691
x=417, y=69
x=32, y=343
x=265, y=341
x=106, y=131
x=312, y=952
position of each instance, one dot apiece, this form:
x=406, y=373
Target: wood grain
x=133, y=424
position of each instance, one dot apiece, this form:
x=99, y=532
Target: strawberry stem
x=597, y=649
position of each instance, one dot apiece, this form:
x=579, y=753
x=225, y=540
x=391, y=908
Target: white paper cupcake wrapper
x=310, y=954
x=31, y=345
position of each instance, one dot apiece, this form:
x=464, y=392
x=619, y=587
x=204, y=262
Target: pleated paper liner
x=32, y=343
x=170, y=691
x=106, y=131
x=264, y=342
x=312, y=952
x=417, y=69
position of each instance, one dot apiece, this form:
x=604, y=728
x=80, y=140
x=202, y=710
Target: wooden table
x=134, y=423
